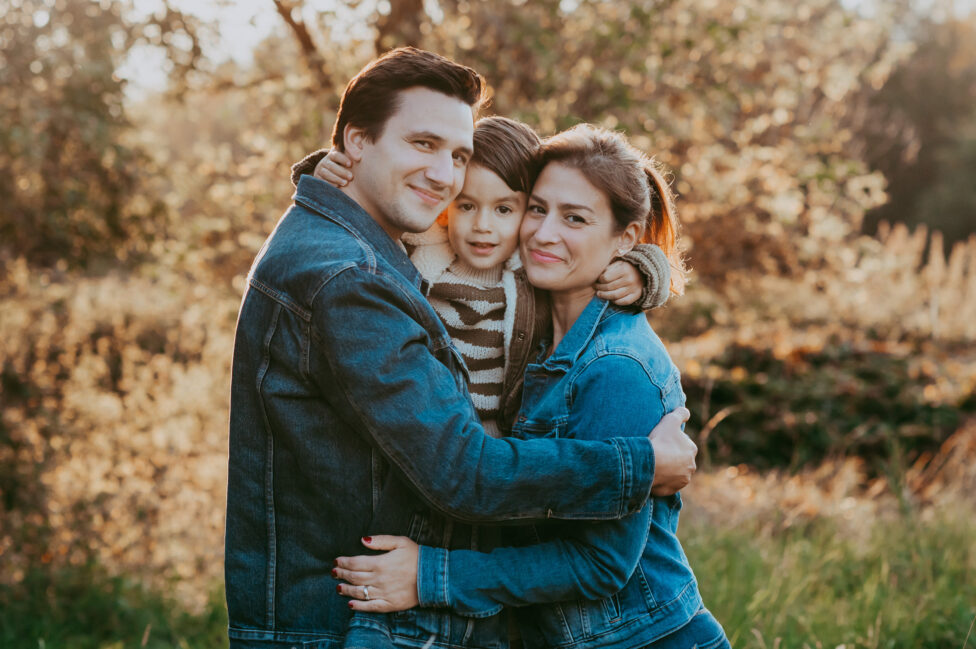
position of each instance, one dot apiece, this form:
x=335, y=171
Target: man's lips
x=544, y=257
x=430, y=198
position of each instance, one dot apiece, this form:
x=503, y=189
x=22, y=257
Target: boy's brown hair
x=372, y=96
x=509, y=149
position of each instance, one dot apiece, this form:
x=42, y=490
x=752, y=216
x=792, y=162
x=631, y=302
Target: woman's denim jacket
x=345, y=386
x=612, y=584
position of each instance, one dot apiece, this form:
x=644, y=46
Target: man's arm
x=410, y=407
x=589, y=560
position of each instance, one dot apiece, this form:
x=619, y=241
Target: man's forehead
x=427, y=111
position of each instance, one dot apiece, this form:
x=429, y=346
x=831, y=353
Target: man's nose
x=441, y=169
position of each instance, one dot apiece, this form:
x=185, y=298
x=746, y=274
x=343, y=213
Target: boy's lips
x=544, y=257
x=481, y=248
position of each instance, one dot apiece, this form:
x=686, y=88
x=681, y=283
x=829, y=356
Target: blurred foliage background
x=824, y=153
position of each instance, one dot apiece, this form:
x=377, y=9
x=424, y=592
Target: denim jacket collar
x=578, y=337
x=321, y=197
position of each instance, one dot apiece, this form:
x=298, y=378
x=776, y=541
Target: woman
x=623, y=584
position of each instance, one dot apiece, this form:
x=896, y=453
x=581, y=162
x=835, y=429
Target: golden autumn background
x=825, y=157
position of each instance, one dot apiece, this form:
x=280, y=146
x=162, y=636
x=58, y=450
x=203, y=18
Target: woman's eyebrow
x=573, y=206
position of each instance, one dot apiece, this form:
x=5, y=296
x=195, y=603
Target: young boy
x=470, y=258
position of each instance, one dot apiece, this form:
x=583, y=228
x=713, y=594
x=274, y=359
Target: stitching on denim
x=269, y=470
x=281, y=298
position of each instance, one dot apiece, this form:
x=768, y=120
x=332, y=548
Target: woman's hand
x=389, y=579
x=335, y=168
x=620, y=283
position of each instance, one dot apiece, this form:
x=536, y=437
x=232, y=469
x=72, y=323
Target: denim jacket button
x=521, y=417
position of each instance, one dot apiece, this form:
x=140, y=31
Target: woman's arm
x=592, y=560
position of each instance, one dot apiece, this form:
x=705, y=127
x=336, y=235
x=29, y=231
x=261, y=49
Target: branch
x=311, y=53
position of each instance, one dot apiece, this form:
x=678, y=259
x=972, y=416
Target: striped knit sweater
x=478, y=311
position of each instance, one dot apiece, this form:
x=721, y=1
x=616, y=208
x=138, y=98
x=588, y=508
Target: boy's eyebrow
x=430, y=135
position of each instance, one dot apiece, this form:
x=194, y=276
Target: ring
x=366, y=593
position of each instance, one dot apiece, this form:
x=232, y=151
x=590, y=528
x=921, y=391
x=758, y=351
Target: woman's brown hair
x=635, y=185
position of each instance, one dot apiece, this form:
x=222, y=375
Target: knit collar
x=322, y=198
x=433, y=254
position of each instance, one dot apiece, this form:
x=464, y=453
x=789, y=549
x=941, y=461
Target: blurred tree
x=71, y=185
x=922, y=131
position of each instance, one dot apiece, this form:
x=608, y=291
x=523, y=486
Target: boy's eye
x=504, y=209
x=465, y=207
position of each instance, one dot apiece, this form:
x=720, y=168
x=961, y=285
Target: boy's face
x=483, y=221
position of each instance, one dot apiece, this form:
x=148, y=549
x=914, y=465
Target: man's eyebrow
x=430, y=135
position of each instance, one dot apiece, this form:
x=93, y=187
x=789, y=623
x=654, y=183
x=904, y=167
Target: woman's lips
x=544, y=257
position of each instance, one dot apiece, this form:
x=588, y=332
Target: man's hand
x=674, y=454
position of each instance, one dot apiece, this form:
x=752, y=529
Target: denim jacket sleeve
x=592, y=560
x=378, y=366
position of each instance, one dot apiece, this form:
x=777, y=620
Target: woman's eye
x=536, y=209
x=575, y=219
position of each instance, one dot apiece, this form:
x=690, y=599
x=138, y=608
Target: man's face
x=415, y=168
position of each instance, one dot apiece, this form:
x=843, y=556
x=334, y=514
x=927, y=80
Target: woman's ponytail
x=661, y=225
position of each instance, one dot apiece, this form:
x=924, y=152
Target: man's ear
x=354, y=139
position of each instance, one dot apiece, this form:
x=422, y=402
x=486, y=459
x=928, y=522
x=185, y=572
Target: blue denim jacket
x=610, y=584
x=344, y=386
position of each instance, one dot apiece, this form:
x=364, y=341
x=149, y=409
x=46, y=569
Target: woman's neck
x=566, y=308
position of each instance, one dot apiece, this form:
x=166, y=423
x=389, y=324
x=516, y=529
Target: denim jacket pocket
x=537, y=429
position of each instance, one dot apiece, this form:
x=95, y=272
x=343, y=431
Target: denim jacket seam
x=281, y=298
x=270, y=565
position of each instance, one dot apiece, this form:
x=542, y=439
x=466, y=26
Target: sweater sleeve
x=653, y=265
x=306, y=166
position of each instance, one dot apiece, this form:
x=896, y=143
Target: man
x=345, y=381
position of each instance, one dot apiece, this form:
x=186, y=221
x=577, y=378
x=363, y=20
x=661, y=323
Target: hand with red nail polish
x=390, y=576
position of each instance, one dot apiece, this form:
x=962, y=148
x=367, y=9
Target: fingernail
x=350, y=604
x=339, y=589
x=335, y=563
x=334, y=573
x=367, y=539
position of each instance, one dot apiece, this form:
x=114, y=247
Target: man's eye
x=426, y=145
x=460, y=159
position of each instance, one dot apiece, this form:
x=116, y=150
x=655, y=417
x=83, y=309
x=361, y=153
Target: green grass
x=907, y=584
x=903, y=584
x=84, y=608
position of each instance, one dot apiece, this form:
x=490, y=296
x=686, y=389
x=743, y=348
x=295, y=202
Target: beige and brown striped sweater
x=478, y=311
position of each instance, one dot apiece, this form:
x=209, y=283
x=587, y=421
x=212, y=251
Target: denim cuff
x=637, y=460
x=432, y=577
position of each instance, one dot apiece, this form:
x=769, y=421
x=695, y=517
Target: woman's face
x=568, y=233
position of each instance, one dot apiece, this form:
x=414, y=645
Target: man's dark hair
x=373, y=95
x=509, y=149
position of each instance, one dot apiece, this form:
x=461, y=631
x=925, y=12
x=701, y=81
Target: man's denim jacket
x=345, y=387
x=610, y=584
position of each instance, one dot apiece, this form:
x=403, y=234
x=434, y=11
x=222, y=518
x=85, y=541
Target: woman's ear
x=629, y=238
x=354, y=139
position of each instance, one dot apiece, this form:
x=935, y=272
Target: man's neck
x=353, y=191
